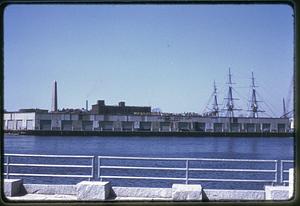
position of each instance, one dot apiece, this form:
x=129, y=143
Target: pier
x=149, y=133
x=36, y=120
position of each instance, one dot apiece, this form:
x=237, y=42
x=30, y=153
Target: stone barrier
x=96, y=190
x=50, y=189
x=143, y=192
x=276, y=192
x=281, y=192
x=12, y=187
x=186, y=192
x=93, y=190
x=220, y=195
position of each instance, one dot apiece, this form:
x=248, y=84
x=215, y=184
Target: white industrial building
x=85, y=121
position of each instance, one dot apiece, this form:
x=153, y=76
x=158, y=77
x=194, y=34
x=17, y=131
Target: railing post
x=7, y=166
x=93, y=167
x=187, y=172
x=281, y=171
x=99, y=170
x=278, y=172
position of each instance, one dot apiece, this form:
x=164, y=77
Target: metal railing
x=283, y=170
x=274, y=171
x=9, y=164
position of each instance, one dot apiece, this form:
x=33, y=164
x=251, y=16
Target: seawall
x=14, y=189
x=72, y=192
x=149, y=133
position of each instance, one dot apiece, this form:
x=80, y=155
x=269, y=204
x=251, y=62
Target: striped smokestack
x=54, y=97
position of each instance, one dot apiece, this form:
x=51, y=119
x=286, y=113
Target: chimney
x=54, y=97
x=101, y=102
x=121, y=104
x=86, y=105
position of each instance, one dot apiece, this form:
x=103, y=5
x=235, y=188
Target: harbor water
x=264, y=148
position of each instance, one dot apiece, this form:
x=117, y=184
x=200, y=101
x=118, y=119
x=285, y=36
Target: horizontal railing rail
x=9, y=164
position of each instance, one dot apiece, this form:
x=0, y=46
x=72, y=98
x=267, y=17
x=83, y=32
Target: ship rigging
x=231, y=109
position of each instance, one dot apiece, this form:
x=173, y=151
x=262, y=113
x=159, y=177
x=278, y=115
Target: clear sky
x=164, y=56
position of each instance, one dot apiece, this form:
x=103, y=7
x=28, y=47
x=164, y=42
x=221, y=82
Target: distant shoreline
x=151, y=133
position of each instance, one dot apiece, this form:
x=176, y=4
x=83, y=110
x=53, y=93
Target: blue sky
x=164, y=56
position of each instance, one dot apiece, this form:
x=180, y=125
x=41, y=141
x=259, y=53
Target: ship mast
x=215, y=103
x=254, y=106
x=254, y=103
x=284, y=109
x=230, y=104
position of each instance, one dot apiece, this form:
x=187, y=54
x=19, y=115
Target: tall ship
x=121, y=119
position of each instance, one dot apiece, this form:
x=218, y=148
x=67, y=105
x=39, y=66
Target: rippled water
x=273, y=148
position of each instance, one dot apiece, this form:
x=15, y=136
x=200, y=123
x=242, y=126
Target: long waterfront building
x=133, y=118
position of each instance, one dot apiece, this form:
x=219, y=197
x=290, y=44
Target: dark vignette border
x=295, y=6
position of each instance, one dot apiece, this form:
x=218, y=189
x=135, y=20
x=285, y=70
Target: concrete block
x=186, y=192
x=219, y=195
x=276, y=192
x=12, y=187
x=291, y=183
x=93, y=190
x=50, y=189
x=142, y=192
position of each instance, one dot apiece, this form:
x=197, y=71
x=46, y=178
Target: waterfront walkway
x=42, y=197
x=33, y=197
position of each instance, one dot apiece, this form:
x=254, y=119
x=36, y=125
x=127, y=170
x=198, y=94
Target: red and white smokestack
x=54, y=97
